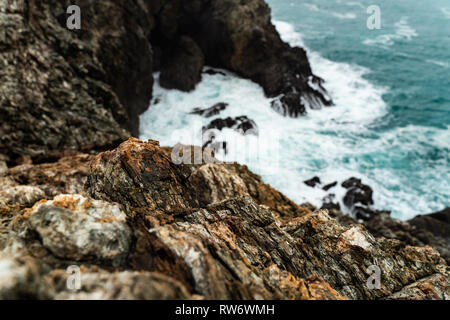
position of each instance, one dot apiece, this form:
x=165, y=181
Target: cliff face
x=140, y=226
x=84, y=89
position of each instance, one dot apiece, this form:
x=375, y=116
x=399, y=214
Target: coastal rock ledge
x=146, y=228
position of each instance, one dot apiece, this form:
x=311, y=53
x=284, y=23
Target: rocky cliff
x=63, y=90
x=75, y=190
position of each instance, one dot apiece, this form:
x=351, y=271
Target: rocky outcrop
x=201, y=231
x=182, y=66
x=240, y=37
x=71, y=90
x=83, y=90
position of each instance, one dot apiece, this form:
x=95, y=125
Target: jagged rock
x=76, y=228
x=182, y=66
x=141, y=176
x=63, y=90
x=413, y=232
x=127, y=285
x=21, y=195
x=313, y=182
x=435, y=287
x=67, y=176
x=240, y=124
x=217, y=184
x=211, y=111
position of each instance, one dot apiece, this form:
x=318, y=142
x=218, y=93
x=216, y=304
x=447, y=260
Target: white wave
x=403, y=32
x=438, y=63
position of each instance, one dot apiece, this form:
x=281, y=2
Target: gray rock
x=76, y=228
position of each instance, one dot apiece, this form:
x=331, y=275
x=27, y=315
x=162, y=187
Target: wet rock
x=313, y=182
x=213, y=139
x=211, y=111
x=213, y=72
x=182, y=67
x=358, y=193
x=76, y=228
x=289, y=105
x=240, y=124
x=365, y=213
x=330, y=186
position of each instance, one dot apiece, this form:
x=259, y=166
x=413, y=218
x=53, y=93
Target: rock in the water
x=330, y=186
x=76, y=228
x=330, y=203
x=313, y=182
x=240, y=124
x=358, y=193
x=211, y=111
x=289, y=104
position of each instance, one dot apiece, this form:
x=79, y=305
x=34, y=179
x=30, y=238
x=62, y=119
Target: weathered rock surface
x=435, y=287
x=63, y=90
x=208, y=231
x=79, y=229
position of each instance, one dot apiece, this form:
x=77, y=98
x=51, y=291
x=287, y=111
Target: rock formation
x=197, y=231
x=77, y=191
x=83, y=90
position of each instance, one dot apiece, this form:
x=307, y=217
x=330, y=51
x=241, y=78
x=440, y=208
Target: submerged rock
x=313, y=182
x=211, y=111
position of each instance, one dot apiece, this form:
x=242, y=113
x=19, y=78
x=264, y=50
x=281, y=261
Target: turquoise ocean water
x=391, y=123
